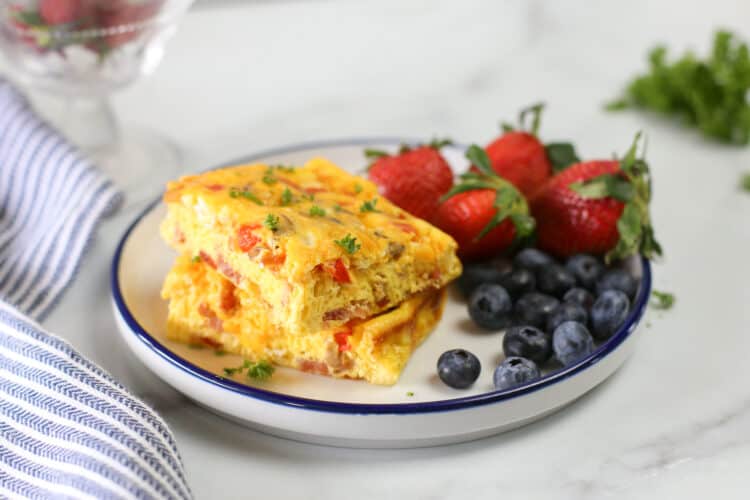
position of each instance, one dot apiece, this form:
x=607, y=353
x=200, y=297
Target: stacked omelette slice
x=303, y=267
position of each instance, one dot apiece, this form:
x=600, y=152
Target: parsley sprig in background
x=711, y=94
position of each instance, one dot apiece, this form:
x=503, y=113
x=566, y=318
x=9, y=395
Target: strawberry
x=520, y=157
x=484, y=213
x=414, y=179
x=127, y=18
x=598, y=207
x=54, y=12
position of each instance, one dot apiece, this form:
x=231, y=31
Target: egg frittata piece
x=205, y=307
x=316, y=246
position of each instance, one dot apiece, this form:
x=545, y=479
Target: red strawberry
x=598, y=207
x=55, y=12
x=128, y=18
x=483, y=213
x=520, y=157
x=414, y=179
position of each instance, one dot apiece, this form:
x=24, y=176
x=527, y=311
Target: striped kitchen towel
x=67, y=428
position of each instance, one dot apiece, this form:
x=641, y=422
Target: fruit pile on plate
x=565, y=224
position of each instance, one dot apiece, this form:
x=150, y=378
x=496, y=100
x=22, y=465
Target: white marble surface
x=673, y=423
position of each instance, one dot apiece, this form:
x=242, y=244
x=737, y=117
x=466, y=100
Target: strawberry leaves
x=534, y=111
x=606, y=185
x=509, y=202
x=632, y=187
x=561, y=155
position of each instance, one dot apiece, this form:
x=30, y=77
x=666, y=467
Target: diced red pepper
x=338, y=271
x=211, y=342
x=215, y=187
x=342, y=339
x=228, y=299
x=246, y=239
x=407, y=228
x=273, y=259
x=207, y=259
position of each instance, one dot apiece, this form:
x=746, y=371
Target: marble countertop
x=674, y=422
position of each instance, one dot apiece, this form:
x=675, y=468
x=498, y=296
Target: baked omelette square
x=317, y=246
x=206, y=308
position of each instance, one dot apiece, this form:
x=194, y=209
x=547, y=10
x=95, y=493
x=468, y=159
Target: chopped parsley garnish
x=271, y=222
x=710, y=93
x=239, y=193
x=220, y=352
x=315, y=210
x=262, y=370
x=369, y=206
x=269, y=178
x=337, y=207
x=348, y=243
x=284, y=168
x=410, y=393
x=308, y=196
x=662, y=300
x=745, y=182
x=196, y=259
x=286, y=197
x=358, y=188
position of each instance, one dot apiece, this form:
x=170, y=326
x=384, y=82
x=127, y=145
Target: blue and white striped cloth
x=67, y=428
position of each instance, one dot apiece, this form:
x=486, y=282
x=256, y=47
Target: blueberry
x=579, y=296
x=476, y=273
x=458, y=368
x=532, y=259
x=586, y=269
x=572, y=342
x=527, y=342
x=534, y=309
x=554, y=280
x=608, y=313
x=490, y=307
x=518, y=281
x=617, y=279
x=568, y=311
x=515, y=371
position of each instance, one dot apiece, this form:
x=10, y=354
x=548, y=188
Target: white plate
x=418, y=411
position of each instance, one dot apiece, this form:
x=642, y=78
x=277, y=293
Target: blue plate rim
x=463, y=403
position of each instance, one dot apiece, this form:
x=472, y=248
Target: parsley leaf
x=269, y=178
x=745, y=182
x=196, y=259
x=348, y=243
x=315, y=210
x=369, y=206
x=271, y=222
x=358, y=188
x=711, y=94
x=662, y=300
x=308, y=196
x=262, y=370
x=286, y=197
x=289, y=169
x=237, y=193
